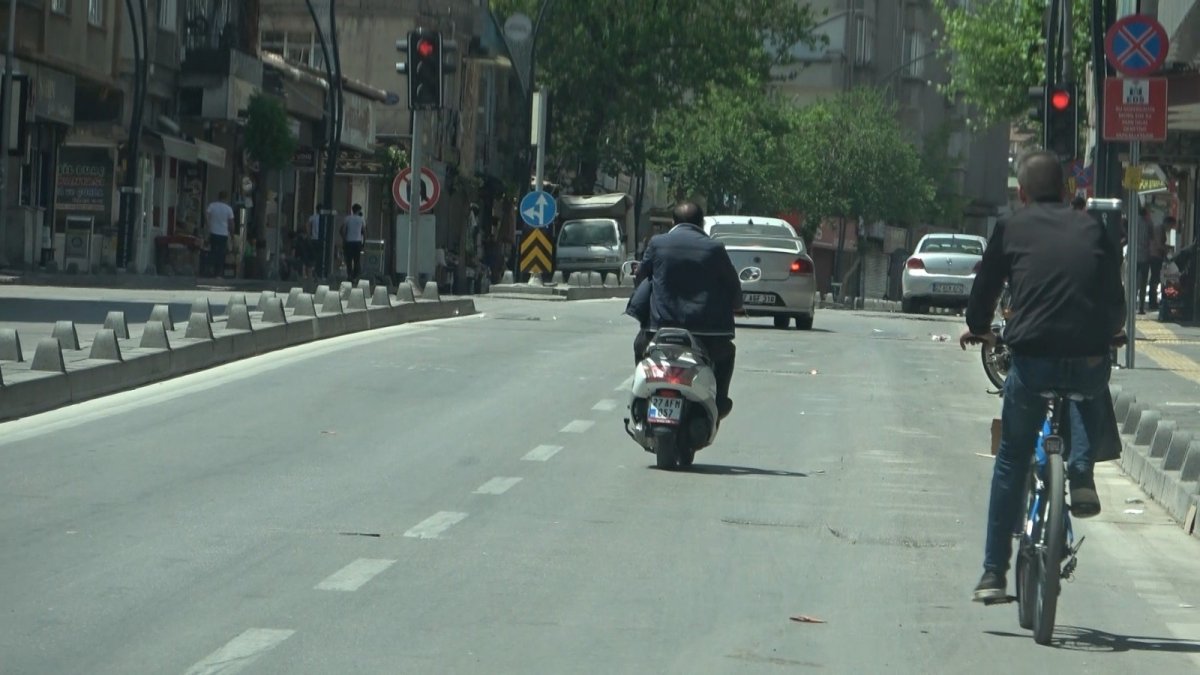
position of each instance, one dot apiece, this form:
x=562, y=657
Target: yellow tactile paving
x=1153, y=343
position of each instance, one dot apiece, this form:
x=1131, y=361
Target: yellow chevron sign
x=537, y=253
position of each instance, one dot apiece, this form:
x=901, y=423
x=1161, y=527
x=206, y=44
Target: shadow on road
x=724, y=470
x=1076, y=638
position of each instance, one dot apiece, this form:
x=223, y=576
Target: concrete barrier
x=105, y=346
x=331, y=320
x=381, y=297
x=557, y=278
x=162, y=314
x=507, y=277
x=239, y=318
x=239, y=339
x=610, y=280
x=535, y=280
x=115, y=321
x=262, y=300
x=154, y=336
x=344, y=289
x=273, y=312
x=404, y=293
x=1146, y=427
x=27, y=392
x=573, y=280
x=319, y=296
x=357, y=299
x=431, y=293
x=332, y=304
x=1189, y=471
x=235, y=299
x=10, y=345
x=67, y=336
x=294, y=293
x=595, y=279
x=1162, y=438
x=1132, y=417
x=48, y=357
x=365, y=285
x=306, y=305
x=201, y=306
x=357, y=318
x=198, y=327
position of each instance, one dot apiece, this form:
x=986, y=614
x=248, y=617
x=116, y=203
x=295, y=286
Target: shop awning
x=190, y=151
x=213, y=155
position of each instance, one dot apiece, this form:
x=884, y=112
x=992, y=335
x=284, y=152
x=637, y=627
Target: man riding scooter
x=692, y=284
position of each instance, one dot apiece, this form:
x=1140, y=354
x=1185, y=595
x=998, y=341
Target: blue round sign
x=1136, y=45
x=538, y=208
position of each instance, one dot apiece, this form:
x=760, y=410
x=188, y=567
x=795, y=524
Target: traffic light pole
x=414, y=201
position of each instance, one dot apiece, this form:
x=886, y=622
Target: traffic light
x=1062, y=122
x=425, y=70
x=1037, y=104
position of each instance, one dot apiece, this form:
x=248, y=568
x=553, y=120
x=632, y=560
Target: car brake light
x=915, y=264
x=670, y=375
x=802, y=266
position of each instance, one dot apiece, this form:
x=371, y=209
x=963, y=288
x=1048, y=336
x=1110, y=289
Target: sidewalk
x=149, y=282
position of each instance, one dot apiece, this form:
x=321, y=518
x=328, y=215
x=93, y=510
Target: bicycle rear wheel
x=1027, y=559
x=1048, y=567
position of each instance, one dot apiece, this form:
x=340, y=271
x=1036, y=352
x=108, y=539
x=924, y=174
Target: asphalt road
x=460, y=497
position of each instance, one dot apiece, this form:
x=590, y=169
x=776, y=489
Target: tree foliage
x=269, y=137
x=612, y=67
x=995, y=54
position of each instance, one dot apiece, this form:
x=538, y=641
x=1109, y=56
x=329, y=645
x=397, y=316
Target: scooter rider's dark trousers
x=721, y=353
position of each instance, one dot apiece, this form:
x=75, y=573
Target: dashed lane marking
x=433, y=526
x=497, y=486
x=240, y=652
x=542, y=453
x=355, y=575
x=605, y=405
x=577, y=427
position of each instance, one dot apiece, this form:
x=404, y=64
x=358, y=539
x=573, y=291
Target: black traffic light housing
x=1037, y=104
x=1062, y=121
x=428, y=63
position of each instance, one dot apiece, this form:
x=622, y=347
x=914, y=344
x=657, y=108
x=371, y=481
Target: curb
x=63, y=372
x=559, y=292
x=1161, y=458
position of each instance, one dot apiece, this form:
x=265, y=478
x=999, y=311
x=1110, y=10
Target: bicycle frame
x=1032, y=526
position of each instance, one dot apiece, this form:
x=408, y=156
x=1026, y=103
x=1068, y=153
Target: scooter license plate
x=664, y=410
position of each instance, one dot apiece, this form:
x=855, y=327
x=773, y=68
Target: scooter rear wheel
x=665, y=452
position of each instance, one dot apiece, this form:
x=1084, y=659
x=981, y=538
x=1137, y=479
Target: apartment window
x=96, y=13
x=168, y=14
x=864, y=40
x=916, y=50
x=295, y=46
x=60, y=6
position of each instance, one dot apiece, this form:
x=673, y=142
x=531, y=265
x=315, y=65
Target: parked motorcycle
x=673, y=399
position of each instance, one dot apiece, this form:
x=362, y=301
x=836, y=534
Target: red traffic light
x=425, y=48
x=1060, y=99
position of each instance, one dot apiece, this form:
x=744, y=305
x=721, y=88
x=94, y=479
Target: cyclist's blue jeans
x=1023, y=414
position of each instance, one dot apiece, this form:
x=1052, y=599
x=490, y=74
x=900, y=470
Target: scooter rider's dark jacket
x=697, y=286
x=639, y=304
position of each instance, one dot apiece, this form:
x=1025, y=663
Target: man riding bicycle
x=1067, y=305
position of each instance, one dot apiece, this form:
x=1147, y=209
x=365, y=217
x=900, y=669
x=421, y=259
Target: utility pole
x=414, y=202
x=4, y=125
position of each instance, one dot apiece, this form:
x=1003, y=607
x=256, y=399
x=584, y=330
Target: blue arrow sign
x=538, y=208
x=1137, y=45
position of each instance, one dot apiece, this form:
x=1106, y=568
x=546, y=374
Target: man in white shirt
x=352, y=242
x=312, y=244
x=220, y=224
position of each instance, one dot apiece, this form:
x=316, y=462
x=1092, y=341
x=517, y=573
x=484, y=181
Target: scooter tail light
x=669, y=375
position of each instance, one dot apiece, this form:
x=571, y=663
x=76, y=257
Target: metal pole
x=1068, y=50
x=278, y=270
x=541, y=139
x=414, y=201
x=5, y=122
x=1131, y=277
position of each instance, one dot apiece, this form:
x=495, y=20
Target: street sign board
x=538, y=209
x=537, y=253
x=1136, y=45
x=431, y=189
x=1135, y=109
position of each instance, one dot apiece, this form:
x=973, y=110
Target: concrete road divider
x=235, y=299
x=595, y=279
x=381, y=297
x=610, y=280
x=291, y=298
x=162, y=314
x=10, y=345
x=556, y=278
x=344, y=289
x=319, y=296
x=535, y=280
x=431, y=292
x=202, y=306
x=115, y=321
x=507, y=277
x=404, y=293
x=67, y=336
x=365, y=285
x=58, y=376
x=262, y=300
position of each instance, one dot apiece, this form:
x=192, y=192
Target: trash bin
x=373, y=255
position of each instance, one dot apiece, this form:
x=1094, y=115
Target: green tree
x=995, y=54
x=948, y=205
x=270, y=143
x=613, y=67
x=728, y=142
x=849, y=159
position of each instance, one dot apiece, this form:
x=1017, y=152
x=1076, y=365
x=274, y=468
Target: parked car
x=941, y=272
x=749, y=225
x=777, y=277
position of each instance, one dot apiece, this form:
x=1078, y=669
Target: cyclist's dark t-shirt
x=1064, y=274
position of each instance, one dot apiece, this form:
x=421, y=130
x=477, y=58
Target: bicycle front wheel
x=1049, y=560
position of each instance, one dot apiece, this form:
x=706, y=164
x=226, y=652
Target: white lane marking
x=436, y=524
x=353, y=576
x=577, y=427
x=186, y=385
x=497, y=486
x=625, y=384
x=240, y=652
x=606, y=404
x=542, y=453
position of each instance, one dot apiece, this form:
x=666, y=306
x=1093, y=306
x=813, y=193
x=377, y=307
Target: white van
x=590, y=245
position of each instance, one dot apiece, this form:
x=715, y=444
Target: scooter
x=673, y=400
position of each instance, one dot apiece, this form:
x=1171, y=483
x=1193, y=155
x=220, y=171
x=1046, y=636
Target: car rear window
x=737, y=240
x=952, y=245
x=752, y=229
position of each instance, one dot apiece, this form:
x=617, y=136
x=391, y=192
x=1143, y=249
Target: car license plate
x=665, y=410
x=758, y=298
x=948, y=288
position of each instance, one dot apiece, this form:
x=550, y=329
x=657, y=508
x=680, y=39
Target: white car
x=758, y=226
x=941, y=272
x=773, y=265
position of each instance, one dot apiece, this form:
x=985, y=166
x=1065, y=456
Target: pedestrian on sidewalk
x=1152, y=248
x=311, y=244
x=220, y=224
x=352, y=242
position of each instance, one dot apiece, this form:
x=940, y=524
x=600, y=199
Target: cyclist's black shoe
x=1085, y=503
x=992, y=586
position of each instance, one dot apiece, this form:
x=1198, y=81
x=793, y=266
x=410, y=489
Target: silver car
x=941, y=272
x=777, y=277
